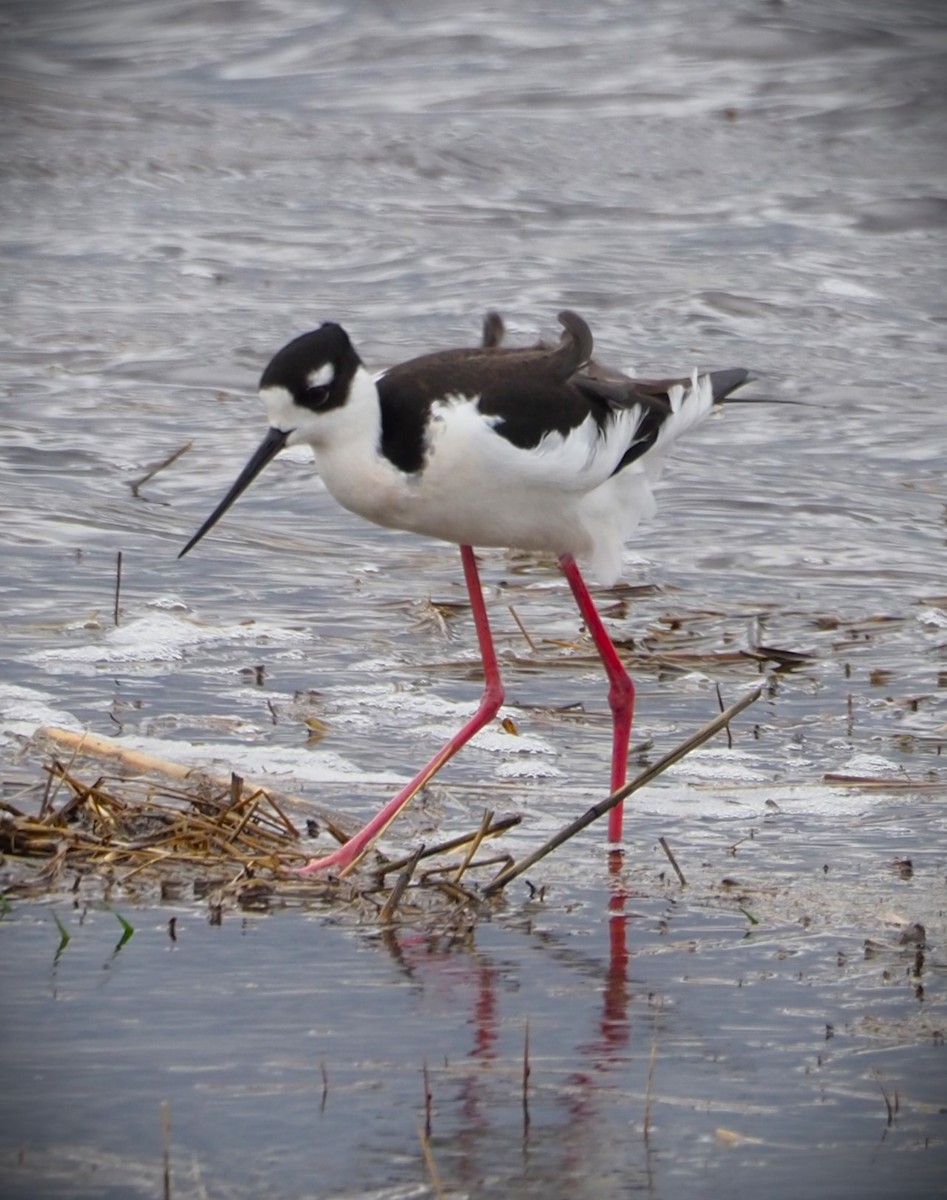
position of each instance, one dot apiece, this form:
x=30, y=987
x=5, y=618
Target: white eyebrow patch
x=321, y=377
x=280, y=407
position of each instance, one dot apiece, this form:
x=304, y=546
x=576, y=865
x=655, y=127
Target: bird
x=535, y=448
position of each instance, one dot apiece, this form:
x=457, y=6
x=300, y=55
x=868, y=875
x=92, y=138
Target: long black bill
x=267, y=450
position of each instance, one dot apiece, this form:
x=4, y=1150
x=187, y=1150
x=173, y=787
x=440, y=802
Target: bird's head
x=303, y=384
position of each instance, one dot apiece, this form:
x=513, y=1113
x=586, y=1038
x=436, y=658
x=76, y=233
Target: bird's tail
x=724, y=382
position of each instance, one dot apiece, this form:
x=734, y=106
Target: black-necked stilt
x=537, y=449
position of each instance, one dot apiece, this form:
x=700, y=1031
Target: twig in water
x=427, y=1100
x=443, y=847
x=881, y=781
x=492, y=861
x=727, y=727
x=166, y=1146
x=325, y=1085
x=650, y=1085
x=672, y=860
x=388, y=910
x=236, y=789
x=56, y=768
x=523, y=630
x=597, y=810
x=888, y=1105
x=46, y=802
x=431, y=1165
x=118, y=585
x=526, y=1074
x=474, y=845
x=153, y=471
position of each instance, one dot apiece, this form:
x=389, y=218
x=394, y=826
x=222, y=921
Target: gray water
x=187, y=185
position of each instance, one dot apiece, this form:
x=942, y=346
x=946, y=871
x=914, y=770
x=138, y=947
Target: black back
x=529, y=391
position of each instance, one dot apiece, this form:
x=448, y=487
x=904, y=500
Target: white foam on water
x=23, y=710
x=299, y=763
x=936, y=618
x=163, y=637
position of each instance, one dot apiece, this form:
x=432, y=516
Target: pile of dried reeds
x=238, y=842
x=236, y=845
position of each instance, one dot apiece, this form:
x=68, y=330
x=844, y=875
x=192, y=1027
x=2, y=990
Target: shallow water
x=185, y=186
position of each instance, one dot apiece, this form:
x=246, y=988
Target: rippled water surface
x=187, y=185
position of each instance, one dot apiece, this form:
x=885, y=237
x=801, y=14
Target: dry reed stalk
x=527, y=1071
x=153, y=470
x=672, y=860
x=433, y=872
x=431, y=1165
x=391, y=904
x=166, y=1146
x=116, y=612
x=598, y=810
x=455, y=892
x=428, y=1099
x=650, y=1086
x=474, y=846
x=879, y=781
x=523, y=630
x=501, y=826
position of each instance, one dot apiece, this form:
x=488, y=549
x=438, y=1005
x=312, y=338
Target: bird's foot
x=344, y=858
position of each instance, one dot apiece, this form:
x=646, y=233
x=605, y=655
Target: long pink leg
x=621, y=692
x=348, y=853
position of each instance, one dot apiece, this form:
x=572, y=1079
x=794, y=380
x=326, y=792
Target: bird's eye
x=316, y=397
